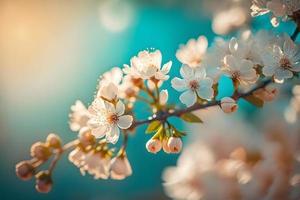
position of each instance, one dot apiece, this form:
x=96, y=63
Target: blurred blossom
x=236, y=163
x=292, y=111
x=228, y=15
x=115, y=15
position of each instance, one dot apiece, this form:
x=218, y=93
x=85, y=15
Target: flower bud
x=174, y=144
x=154, y=145
x=24, y=170
x=120, y=167
x=40, y=151
x=165, y=146
x=85, y=137
x=53, y=141
x=228, y=105
x=267, y=93
x=43, y=182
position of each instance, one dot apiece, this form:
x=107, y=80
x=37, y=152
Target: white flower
x=79, y=116
x=193, y=52
x=106, y=119
x=228, y=105
x=120, y=167
x=154, y=145
x=129, y=88
x=240, y=70
x=147, y=65
x=282, y=62
x=174, y=144
x=115, y=76
x=97, y=164
x=77, y=157
x=163, y=97
x=194, y=83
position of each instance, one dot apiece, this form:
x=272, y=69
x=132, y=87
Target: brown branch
x=179, y=112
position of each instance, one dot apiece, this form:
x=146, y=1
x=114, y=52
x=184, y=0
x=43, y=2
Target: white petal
x=231, y=62
x=109, y=106
x=186, y=72
x=233, y=45
x=282, y=74
x=206, y=82
x=202, y=44
x=188, y=98
x=269, y=70
x=166, y=68
x=100, y=131
x=289, y=48
x=163, y=97
x=113, y=135
x=125, y=121
x=179, y=84
x=200, y=72
x=120, y=108
x=205, y=92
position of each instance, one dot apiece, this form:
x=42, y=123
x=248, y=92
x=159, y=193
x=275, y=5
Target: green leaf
x=190, y=117
x=153, y=126
x=254, y=100
x=177, y=133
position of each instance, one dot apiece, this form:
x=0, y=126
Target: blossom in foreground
x=107, y=120
x=193, y=52
x=282, y=62
x=153, y=145
x=174, y=144
x=79, y=116
x=120, y=167
x=193, y=85
x=147, y=65
x=279, y=9
x=240, y=70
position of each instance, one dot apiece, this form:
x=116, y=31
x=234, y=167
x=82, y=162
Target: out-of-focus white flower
x=280, y=9
x=267, y=93
x=174, y=144
x=96, y=164
x=114, y=75
x=282, y=62
x=193, y=52
x=129, y=88
x=292, y=111
x=194, y=84
x=109, y=92
x=240, y=70
x=120, y=167
x=163, y=97
x=228, y=105
x=229, y=19
x=106, y=119
x=79, y=116
x=147, y=65
x=153, y=145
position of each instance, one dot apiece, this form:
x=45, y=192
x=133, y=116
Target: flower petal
x=120, y=108
x=205, y=92
x=179, y=84
x=125, y=121
x=188, y=98
x=100, y=131
x=113, y=135
x=163, y=97
x=289, y=48
x=166, y=67
x=186, y=72
x=200, y=73
x=269, y=70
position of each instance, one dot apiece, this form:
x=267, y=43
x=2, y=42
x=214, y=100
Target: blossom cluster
x=254, y=62
x=236, y=164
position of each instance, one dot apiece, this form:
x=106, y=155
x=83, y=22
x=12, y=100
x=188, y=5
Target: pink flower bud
x=154, y=145
x=175, y=144
x=268, y=93
x=120, y=167
x=43, y=182
x=24, y=170
x=228, y=105
x=40, y=151
x=165, y=146
x=53, y=141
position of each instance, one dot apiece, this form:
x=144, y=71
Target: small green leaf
x=190, y=117
x=177, y=133
x=254, y=100
x=153, y=126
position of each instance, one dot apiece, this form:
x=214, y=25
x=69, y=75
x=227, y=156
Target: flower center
x=285, y=63
x=112, y=119
x=236, y=74
x=194, y=85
